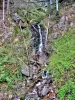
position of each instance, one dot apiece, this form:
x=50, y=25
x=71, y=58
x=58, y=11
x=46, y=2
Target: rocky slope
x=44, y=89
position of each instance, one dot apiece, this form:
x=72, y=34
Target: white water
x=41, y=44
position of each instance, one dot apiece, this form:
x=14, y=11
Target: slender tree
x=3, y=11
x=7, y=7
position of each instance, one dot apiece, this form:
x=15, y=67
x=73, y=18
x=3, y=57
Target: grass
x=62, y=63
x=12, y=57
x=9, y=69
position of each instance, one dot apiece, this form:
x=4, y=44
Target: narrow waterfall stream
x=39, y=87
x=41, y=43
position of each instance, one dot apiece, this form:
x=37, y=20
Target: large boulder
x=25, y=70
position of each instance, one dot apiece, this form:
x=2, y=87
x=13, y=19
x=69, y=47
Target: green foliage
x=32, y=15
x=36, y=15
x=67, y=91
x=16, y=30
x=12, y=58
x=62, y=65
x=62, y=58
x=7, y=59
x=26, y=31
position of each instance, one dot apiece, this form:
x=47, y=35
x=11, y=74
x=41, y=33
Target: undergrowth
x=62, y=65
x=13, y=56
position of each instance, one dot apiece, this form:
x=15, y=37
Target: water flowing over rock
x=41, y=89
x=38, y=33
x=33, y=67
x=41, y=44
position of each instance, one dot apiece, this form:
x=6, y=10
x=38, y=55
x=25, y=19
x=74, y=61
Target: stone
x=10, y=97
x=63, y=23
x=55, y=27
x=45, y=90
x=55, y=35
x=32, y=96
x=16, y=99
x=5, y=96
x=25, y=70
x=1, y=96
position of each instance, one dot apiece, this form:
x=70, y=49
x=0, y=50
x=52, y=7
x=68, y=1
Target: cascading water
x=39, y=38
x=41, y=43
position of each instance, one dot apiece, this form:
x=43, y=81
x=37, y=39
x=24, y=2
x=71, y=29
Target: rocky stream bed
x=36, y=84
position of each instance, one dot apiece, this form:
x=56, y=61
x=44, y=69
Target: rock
x=5, y=96
x=35, y=76
x=16, y=99
x=32, y=96
x=42, y=59
x=38, y=84
x=25, y=70
x=1, y=96
x=44, y=81
x=62, y=25
x=55, y=35
x=10, y=97
x=45, y=90
x=55, y=27
x=16, y=18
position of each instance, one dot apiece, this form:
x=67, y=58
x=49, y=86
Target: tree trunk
x=3, y=11
x=7, y=7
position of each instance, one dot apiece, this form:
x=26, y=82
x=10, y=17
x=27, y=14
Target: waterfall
x=41, y=44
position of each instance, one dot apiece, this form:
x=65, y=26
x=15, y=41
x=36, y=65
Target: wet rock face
x=32, y=96
x=36, y=35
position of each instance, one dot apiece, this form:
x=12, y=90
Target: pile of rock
x=31, y=70
x=43, y=90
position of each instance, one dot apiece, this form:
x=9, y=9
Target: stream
x=37, y=83
x=40, y=86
